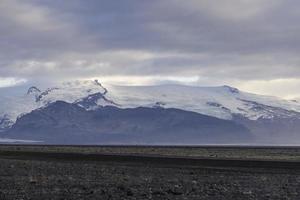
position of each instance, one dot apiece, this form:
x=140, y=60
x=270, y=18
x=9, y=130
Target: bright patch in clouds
x=148, y=80
x=9, y=82
x=286, y=88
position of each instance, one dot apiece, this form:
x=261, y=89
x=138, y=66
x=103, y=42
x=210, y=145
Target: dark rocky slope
x=65, y=123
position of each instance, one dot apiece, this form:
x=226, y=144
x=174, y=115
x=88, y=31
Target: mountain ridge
x=221, y=102
x=264, y=116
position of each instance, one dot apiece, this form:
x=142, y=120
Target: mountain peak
x=231, y=89
x=33, y=90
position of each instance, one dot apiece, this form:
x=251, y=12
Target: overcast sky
x=250, y=44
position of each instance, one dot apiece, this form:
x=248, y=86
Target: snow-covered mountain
x=14, y=106
x=223, y=102
x=267, y=119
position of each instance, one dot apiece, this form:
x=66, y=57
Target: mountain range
x=88, y=112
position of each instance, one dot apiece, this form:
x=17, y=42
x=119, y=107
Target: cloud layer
x=238, y=42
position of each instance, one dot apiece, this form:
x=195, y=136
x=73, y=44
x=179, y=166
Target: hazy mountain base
x=275, y=131
x=280, y=127
x=65, y=123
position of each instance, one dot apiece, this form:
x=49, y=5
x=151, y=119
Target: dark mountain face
x=91, y=101
x=65, y=123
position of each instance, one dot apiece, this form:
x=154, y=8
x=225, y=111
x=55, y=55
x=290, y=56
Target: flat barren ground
x=60, y=172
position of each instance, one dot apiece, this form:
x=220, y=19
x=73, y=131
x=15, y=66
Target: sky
x=253, y=45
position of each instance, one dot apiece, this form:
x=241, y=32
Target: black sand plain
x=149, y=172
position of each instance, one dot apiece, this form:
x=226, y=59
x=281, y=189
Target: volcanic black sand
x=132, y=172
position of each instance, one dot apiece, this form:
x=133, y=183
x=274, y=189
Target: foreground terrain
x=61, y=172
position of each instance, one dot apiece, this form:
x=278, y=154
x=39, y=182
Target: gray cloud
x=230, y=40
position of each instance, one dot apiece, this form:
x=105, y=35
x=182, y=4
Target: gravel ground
x=42, y=180
x=264, y=153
